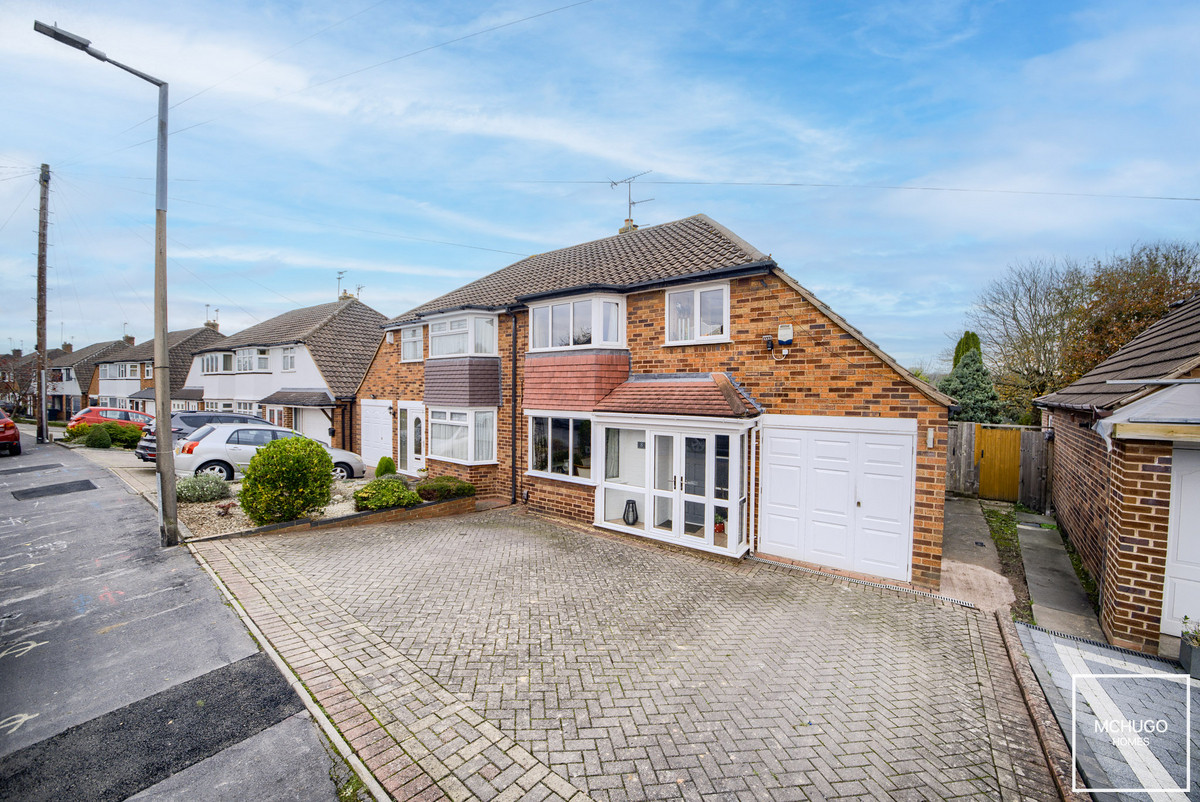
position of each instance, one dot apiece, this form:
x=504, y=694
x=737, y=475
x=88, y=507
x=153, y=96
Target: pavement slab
x=502, y=656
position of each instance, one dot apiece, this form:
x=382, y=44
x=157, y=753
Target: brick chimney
x=212, y=324
x=16, y=352
x=128, y=339
x=629, y=226
x=68, y=347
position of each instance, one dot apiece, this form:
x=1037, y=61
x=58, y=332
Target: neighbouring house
x=673, y=383
x=18, y=378
x=1126, y=478
x=299, y=369
x=71, y=376
x=126, y=379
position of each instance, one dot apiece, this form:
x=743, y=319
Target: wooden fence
x=1006, y=463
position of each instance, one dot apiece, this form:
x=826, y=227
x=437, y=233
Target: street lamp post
x=167, y=514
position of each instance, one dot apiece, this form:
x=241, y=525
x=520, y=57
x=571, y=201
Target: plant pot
x=1186, y=651
x=719, y=528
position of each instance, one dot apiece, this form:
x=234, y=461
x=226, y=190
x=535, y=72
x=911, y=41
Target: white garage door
x=839, y=492
x=375, y=430
x=1181, y=591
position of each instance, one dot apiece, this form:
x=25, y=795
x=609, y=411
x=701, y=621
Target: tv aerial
x=628, y=182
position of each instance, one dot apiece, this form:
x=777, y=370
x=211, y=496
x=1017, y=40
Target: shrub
x=285, y=480
x=79, y=432
x=98, y=438
x=206, y=487
x=386, y=467
x=443, y=487
x=123, y=436
x=385, y=492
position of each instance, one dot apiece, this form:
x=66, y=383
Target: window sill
x=559, y=477
x=468, y=463
x=416, y=361
x=455, y=356
x=566, y=349
x=712, y=341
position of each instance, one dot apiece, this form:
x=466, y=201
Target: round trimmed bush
x=205, y=487
x=384, y=493
x=286, y=480
x=122, y=436
x=98, y=437
x=386, y=467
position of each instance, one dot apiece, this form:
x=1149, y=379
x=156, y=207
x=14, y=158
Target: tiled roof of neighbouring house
x=84, y=360
x=1168, y=349
x=342, y=337
x=711, y=395
x=288, y=397
x=181, y=346
x=688, y=247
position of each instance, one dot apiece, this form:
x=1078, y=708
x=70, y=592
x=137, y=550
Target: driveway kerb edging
x=318, y=714
x=1050, y=737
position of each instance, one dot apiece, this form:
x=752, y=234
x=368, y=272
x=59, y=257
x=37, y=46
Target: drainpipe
x=513, y=431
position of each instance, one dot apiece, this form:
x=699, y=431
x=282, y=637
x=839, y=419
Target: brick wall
x=1139, y=506
x=1081, y=486
x=571, y=381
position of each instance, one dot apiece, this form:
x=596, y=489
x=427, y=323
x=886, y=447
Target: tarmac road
x=122, y=670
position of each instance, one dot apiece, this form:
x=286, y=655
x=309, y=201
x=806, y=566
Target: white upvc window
x=244, y=360
x=247, y=407
x=149, y=371
x=463, y=435
x=560, y=446
x=698, y=314
x=263, y=359
x=597, y=321
x=66, y=374
x=103, y=368
x=122, y=371
x=411, y=345
x=465, y=335
x=289, y=358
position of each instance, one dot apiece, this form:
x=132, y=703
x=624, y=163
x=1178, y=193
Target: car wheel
x=343, y=471
x=216, y=469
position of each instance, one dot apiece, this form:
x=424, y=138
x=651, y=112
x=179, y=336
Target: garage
x=1181, y=586
x=839, y=492
x=375, y=430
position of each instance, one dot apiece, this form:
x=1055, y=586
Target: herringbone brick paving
x=500, y=656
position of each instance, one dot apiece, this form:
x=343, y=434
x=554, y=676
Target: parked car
x=10, y=436
x=225, y=449
x=94, y=415
x=183, y=424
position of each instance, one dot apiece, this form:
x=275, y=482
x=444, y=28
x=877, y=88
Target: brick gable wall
x=1081, y=486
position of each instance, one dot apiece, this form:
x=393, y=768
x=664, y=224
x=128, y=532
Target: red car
x=10, y=438
x=94, y=415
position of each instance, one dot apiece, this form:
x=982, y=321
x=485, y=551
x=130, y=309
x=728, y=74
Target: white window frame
x=262, y=360
x=246, y=408
x=66, y=374
x=410, y=336
x=549, y=416
x=122, y=371
x=445, y=327
x=103, y=367
x=244, y=360
x=474, y=416
x=288, y=359
x=597, y=313
x=148, y=371
x=695, y=291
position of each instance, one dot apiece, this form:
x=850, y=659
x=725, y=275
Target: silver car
x=225, y=449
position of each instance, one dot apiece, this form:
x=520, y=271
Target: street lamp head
x=70, y=39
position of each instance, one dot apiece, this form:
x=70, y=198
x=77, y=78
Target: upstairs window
x=289, y=358
x=263, y=360
x=595, y=322
x=245, y=360
x=211, y=363
x=149, y=371
x=411, y=346
x=697, y=315
x=462, y=336
x=103, y=367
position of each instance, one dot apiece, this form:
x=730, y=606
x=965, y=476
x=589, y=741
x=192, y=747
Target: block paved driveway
x=501, y=656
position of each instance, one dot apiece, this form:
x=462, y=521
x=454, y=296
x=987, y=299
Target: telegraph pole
x=43, y=215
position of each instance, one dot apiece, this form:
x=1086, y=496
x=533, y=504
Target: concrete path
x=1126, y=714
x=1059, y=601
x=970, y=565
x=501, y=656
x=122, y=670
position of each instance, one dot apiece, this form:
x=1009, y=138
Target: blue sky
x=426, y=172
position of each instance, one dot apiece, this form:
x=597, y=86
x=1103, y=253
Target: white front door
x=375, y=430
x=837, y=496
x=683, y=487
x=410, y=436
x=1181, y=585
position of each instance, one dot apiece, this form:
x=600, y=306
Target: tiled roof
x=84, y=360
x=188, y=394
x=1165, y=350
x=146, y=393
x=182, y=345
x=689, y=247
x=342, y=337
x=299, y=398
x=710, y=395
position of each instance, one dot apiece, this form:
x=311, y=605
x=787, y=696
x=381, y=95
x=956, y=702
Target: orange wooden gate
x=998, y=455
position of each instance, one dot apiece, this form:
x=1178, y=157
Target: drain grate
x=53, y=490
x=31, y=468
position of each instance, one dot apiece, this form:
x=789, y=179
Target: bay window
x=245, y=360
x=699, y=314
x=462, y=435
x=469, y=335
x=593, y=322
x=560, y=447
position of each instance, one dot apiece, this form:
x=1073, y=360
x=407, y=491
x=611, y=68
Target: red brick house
x=671, y=382
x=1126, y=478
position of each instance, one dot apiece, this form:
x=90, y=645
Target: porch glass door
x=682, y=490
